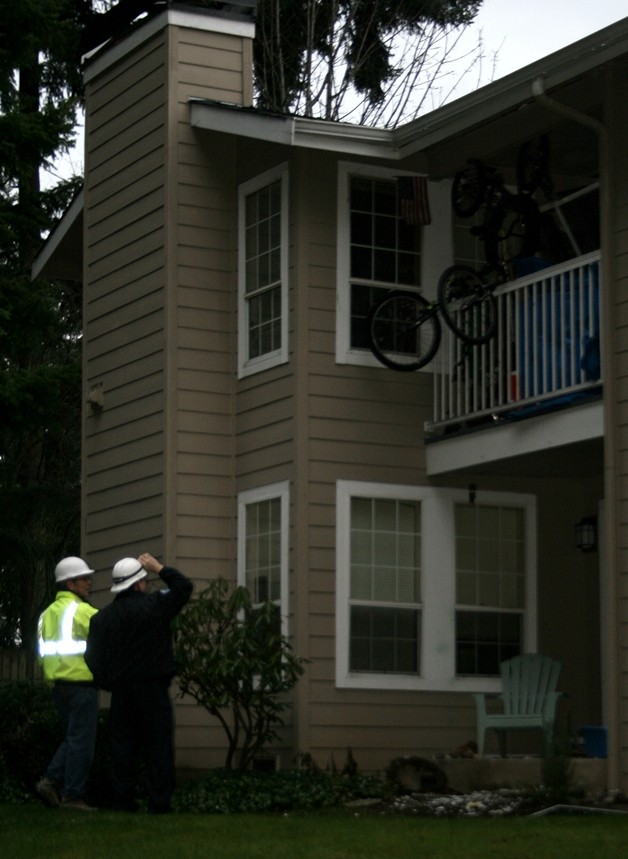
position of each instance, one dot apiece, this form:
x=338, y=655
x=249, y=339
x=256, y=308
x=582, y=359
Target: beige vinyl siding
x=124, y=307
x=357, y=423
x=202, y=306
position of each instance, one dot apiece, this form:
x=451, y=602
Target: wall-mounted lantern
x=586, y=534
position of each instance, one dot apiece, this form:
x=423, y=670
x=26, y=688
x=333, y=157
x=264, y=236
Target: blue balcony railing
x=547, y=347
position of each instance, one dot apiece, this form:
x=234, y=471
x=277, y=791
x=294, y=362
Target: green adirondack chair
x=528, y=697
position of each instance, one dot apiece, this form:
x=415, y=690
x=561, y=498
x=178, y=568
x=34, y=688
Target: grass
x=32, y=831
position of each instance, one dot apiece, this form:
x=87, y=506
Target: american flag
x=413, y=200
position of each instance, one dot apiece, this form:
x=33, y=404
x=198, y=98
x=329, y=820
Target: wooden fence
x=19, y=665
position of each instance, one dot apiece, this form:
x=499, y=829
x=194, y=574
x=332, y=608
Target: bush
x=228, y=791
x=30, y=731
x=235, y=662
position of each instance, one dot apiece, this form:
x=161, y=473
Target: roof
x=565, y=74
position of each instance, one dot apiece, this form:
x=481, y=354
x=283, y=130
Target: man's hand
x=150, y=564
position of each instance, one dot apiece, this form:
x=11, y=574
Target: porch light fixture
x=586, y=534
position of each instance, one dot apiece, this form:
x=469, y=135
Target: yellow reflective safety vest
x=62, y=638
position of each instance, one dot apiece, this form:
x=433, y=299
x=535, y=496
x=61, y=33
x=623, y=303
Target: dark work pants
x=142, y=726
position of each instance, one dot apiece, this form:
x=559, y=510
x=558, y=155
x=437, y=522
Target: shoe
x=76, y=804
x=48, y=792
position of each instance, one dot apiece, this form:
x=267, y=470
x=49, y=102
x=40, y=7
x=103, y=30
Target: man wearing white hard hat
x=62, y=634
x=129, y=650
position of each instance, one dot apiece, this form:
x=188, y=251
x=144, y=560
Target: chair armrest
x=481, y=699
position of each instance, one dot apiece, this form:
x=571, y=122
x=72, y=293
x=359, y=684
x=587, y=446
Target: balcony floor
x=564, y=441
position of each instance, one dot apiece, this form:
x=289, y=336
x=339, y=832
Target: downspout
x=610, y=423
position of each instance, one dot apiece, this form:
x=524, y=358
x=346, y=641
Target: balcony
x=545, y=356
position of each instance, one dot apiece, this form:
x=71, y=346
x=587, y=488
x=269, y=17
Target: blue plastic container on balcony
x=559, y=333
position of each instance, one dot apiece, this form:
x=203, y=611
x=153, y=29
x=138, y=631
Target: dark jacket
x=132, y=641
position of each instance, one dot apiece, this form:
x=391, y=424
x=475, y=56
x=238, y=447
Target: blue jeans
x=77, y=705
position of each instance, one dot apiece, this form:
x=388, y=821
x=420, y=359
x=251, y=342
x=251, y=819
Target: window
x=432, y=592
x=385, y=613
x=379, y=247
x=490, y=586
x=262, y=291
x=263, y=545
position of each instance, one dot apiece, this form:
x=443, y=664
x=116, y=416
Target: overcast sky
x=522, y=31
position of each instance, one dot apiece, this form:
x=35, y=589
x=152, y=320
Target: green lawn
x=35, y=832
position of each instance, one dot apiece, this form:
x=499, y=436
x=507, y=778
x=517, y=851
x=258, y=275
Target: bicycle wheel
x=404, y=331
x=467, y=304
x=468, y=190
x=512, y=230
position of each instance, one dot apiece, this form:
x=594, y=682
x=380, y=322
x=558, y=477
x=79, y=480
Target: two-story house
x=414, y=529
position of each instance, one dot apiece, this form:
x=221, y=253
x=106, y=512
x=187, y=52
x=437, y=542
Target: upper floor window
x=381, y=217
x=262, y=288
x=432, y=592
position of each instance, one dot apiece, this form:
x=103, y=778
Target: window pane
x=489, y=573
x=263, y=269
x=385, y=545
x=385, y=568
x=384, y=640
x=263, y=550
x=382, y=247
x=485, y=639
x=490, y=546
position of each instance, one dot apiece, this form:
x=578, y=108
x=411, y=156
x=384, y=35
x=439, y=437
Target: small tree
x=234, y=661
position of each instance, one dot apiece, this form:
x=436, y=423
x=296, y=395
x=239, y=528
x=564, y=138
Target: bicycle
x=405, y=330
x=511, y=222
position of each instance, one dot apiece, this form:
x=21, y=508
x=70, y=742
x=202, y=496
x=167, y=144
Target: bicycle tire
x=404, y=331
x=512, y=230
x=468, y=190
x=467, y=304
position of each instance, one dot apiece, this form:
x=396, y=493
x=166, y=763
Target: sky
x=514, y=33
x=522, y=31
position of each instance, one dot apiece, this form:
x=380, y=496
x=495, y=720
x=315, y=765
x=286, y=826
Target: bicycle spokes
x=467, y=304
x=404, y=331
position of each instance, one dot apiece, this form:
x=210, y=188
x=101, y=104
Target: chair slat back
x=526, y=682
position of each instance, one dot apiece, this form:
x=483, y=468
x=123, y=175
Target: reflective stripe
x=66, y=646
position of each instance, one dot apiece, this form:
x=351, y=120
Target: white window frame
x=435, y=253
x=438, y=586
x=279, y=490
x=246, y=365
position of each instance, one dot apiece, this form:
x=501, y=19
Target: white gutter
x=293, y=130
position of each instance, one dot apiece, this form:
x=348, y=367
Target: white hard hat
x=125, y=573
x=71, y=568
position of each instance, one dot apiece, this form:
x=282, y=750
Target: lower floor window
x=432, y=592
x=263, y=548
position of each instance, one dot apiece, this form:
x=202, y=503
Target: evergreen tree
x=40, y=322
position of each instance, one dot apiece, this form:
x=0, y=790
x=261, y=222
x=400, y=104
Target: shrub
x=228, y=791
x=30, y=731
x=234, y=661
